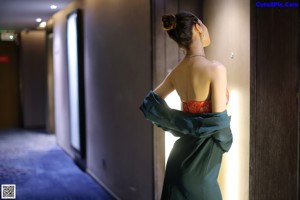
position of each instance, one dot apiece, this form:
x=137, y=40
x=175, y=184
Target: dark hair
x=179, y=27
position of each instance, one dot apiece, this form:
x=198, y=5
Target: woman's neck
x=195, y=48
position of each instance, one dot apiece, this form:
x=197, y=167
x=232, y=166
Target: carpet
x=41, y=170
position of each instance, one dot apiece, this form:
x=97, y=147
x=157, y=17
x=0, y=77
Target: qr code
x=8, y=191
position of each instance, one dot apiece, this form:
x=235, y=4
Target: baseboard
x=102, y=184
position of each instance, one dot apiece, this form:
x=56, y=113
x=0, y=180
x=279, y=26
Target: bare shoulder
x=172, y=72
x=217, y=68
x=177, y=69
x=217, y=65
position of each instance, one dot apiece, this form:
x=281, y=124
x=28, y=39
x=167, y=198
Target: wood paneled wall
x=274, y=148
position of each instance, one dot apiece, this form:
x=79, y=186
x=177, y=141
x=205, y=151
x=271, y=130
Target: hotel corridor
x=73, y=74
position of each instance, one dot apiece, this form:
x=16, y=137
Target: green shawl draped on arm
x=194, y=163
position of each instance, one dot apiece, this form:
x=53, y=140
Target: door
x=9, y=85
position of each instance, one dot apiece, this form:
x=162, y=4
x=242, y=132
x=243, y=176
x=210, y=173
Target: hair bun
x=169, y=22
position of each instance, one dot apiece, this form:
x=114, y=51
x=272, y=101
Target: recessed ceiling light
x=53, y=7
x=43, y=24
x=38, y=20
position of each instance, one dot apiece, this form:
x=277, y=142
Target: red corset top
x=199, y=106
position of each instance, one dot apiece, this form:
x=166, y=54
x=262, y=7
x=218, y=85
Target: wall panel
x=117, y=77
x=9, y=86
x=33, y=78
x=274, y=115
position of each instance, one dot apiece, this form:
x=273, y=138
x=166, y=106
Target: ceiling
x=21, y=14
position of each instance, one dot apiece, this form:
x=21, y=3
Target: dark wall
x=9, y=86
x=274, y=148
x=118, y=76
x=117, y=46
x=33, y=78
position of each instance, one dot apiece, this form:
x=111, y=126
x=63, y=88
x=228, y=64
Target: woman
x=196, y=79
x=203, y=124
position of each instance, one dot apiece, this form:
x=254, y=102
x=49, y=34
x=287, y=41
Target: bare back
x=191, y=79
x=197, y=79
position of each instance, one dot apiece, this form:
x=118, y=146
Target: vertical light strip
x=173, y=101
x=232, y=157
x=73, y=80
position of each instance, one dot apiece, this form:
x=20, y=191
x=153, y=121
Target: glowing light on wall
x=76, y=85
x=232, y=161
x=73, y=80
x=173, y=101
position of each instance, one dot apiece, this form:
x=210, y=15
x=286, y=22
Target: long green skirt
x=192, y=170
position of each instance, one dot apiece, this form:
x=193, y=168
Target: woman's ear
x=199, y=28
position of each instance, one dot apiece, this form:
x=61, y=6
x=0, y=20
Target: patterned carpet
x=41, y=170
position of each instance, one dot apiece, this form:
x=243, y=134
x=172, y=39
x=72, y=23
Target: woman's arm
x=166, y=87
x=218, y=87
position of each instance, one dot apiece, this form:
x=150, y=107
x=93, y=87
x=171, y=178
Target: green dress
x=194, y=162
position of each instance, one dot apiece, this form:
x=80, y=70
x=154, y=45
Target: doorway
x=9, y=85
